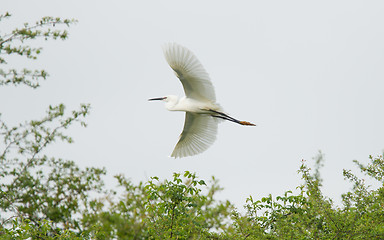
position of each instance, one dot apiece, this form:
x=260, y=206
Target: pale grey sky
x=308, y=73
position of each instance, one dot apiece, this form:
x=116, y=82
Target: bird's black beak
x=153, y=99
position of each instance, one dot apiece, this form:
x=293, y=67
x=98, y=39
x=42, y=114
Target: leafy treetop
x=16, y=43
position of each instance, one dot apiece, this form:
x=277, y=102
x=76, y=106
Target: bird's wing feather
x=198, y=134
x=190, y=71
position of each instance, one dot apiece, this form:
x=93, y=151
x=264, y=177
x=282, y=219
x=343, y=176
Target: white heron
x=201, y=110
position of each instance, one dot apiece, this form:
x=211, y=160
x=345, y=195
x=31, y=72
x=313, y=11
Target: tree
x=161, y=210
x=15, y=43
x=34, y=187
x=310, y=215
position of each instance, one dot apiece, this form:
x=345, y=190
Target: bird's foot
x=245, y=123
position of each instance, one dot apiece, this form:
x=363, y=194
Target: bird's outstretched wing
x=190, y=71
x=198, y=134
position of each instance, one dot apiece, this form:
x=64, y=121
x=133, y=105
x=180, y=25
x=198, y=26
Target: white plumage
x=202, y=113
x=198, y=135
x=191, y=73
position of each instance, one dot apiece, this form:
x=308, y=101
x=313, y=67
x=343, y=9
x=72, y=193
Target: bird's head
x=170, y=101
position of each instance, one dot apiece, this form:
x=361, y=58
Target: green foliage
x=40, y=195
x=15, y=43
x=37, y=187
x=310, y=215
x=160, y=210
x=25, y=230
x=178, y=209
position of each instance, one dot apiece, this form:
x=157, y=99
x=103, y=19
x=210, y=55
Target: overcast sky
x=308, y=73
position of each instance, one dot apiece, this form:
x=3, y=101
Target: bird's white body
x=202, y=112
x=174, y=103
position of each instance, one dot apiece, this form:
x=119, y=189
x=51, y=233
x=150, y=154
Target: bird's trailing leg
x=229, y=118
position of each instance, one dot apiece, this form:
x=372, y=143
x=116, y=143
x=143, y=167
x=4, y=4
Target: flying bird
x=202, y=113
